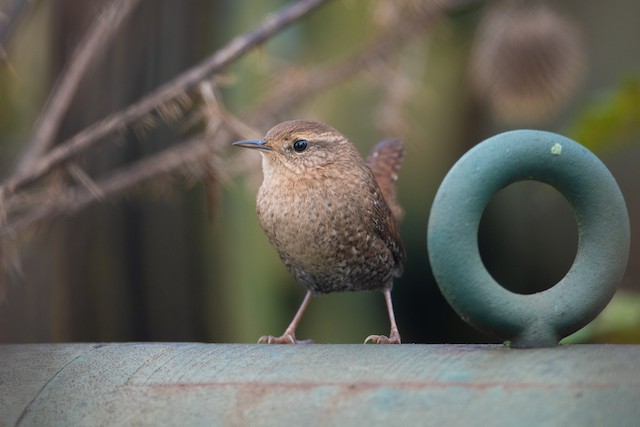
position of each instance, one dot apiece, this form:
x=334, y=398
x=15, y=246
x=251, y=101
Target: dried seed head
x=526, y=61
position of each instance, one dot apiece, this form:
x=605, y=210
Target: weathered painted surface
x=236, y=384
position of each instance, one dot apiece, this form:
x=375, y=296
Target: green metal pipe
x=237, y=384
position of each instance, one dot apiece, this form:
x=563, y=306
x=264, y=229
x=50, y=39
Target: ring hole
x=528, y=237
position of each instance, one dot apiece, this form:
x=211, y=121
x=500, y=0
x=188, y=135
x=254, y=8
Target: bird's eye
x=300, y=145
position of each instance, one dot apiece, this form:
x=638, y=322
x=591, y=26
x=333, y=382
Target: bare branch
x=293, y=90
x=285, y=94
x=168, y=160
x=79, y=197
x=82, y=178
x=184, y=82
x=93, y=45
x=215, y=108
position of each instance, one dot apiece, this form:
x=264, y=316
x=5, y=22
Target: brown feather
x=385, y=161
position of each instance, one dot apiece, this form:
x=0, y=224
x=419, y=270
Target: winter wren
x=331, y=215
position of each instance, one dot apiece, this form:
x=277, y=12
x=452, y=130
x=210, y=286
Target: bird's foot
x=284, y=339
x=393, y=338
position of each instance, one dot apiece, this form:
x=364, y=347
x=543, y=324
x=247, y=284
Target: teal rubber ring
x=540, y=319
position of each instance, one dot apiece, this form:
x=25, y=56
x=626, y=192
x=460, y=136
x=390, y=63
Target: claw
x=393, y=338
x=284, y=339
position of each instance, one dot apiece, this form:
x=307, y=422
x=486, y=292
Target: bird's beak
x=256, y=144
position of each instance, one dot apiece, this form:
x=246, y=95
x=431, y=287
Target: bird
x=331, y=215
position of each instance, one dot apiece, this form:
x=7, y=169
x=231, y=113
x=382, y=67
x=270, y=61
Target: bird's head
x=300, y=146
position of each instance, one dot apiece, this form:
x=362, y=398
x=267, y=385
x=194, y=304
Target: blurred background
x=178, y=255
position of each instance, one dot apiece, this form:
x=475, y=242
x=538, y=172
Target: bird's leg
x=394, y=336
x=289, y=336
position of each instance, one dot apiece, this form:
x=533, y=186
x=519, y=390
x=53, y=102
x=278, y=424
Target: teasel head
x=526, y=61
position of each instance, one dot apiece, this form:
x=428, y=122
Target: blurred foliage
x=619, y=322
x=611, y=119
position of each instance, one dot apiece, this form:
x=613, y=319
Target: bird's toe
x=284, y=339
